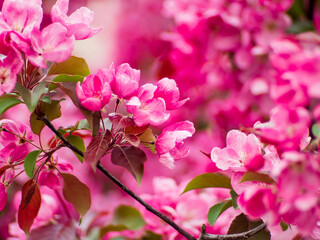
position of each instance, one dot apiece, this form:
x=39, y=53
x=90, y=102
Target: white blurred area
x=100, y=51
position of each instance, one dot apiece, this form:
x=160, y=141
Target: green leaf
x=129, y=217
x=72, y=66
x=209, y=180
x=131, y=158
x=148, y=139
x=65, y=78
x=83, y=124
x=315, y=130
x=51, y=110
x=257, y=177
x=78, y=142
x=217, y=210
x=7, y=103
x=234, y=197
x=151, y=236
x=284, y=225
x=77, y=193
x=300, y=26
x=31, y=97
x=30, y=162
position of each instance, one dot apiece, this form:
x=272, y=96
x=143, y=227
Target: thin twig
x=234, y=236
x=146, y=205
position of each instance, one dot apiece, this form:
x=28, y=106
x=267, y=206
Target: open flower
x=170, y=145
x=94, y=93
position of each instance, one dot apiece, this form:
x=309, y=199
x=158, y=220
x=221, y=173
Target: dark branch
x=203, y=236
x=234, y=236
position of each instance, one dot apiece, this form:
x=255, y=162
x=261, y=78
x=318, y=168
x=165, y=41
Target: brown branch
x=234, y=236
x=203, y=236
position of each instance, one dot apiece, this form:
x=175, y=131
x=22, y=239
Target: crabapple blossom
x=94, y=93
x=10, y=65
x=51, y=44
x=78, y=23
x=147, y=109
x=13, y=139
x=168, y=90
x=259, y=202
x=3, y=196
x=170, y=145
x=21, y=16
x=242, y=152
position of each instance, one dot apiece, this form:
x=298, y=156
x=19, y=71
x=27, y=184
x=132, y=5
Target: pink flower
x=14, y=148
x=287, y=128
x=3, y=196
x=276, y=5
x=241, y=152
x=146, y=109
x=51, y=44
x=168, y=90
x=298, y=189
x=126, y=81
x=170, y=145
x=21, y=16
x=259, y=202
x=78, y=23
x=94, y=93
x=10, y=65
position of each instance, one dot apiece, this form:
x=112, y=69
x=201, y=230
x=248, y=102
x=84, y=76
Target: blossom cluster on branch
x=244, y=73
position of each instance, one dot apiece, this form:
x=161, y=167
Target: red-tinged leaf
x=4, y=168
x=136, y=130
x=119, y=121
x=131, y=158
x=132, y=139
x=29, y=205
x=97, y=148
x=77, y=193
x=59, y=231
x=148, y=139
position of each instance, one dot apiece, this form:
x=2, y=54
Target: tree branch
x=203, y=236
x=234, y=236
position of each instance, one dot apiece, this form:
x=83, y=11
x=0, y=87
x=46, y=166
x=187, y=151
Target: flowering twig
x=203, y=236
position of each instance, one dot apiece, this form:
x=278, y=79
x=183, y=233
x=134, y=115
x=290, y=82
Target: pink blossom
x=287, y=128
x=168, y=90
x=259, y=202
x=170, y=145
x=94, y=93
x=241, y=152
x=146, y=109
x=21, y=16
x=78, y=23
x=298, y=189
x=10, y=65
x=51, y=44
x=14, y=148
x=280, y=6
x=124, y=81
x=3, y=196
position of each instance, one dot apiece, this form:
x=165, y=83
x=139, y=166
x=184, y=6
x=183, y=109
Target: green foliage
x=257, y=177
x=77, y=142
x=216, y=210
x=209, y=180
x=72, y=66
x=50, y=110
x=30, y=162
x=8, y=101
x=31, y=97
x=124, y=218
